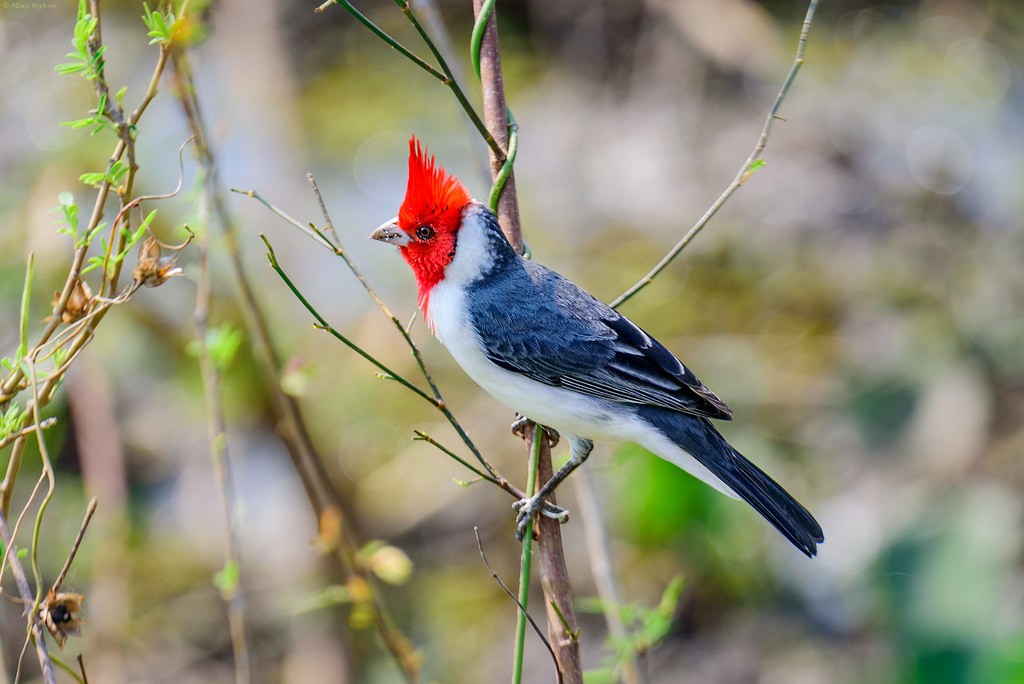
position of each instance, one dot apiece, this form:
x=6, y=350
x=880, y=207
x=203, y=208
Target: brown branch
x=554, y=573
x=496, y=118
x=36, y=629
x=557, y=586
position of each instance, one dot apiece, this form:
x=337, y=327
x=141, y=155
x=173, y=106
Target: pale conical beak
x=390, y=232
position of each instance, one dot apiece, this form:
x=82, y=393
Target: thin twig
x=81, y=668
x=522, y=608
x=89, y=511
x=424, y=437
x=26, y=431
x=602, y=566
x=746, y=171
x=216, y=434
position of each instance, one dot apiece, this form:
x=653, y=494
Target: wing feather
x=545, y=327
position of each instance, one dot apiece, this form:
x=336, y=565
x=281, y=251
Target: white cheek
x=472, y=251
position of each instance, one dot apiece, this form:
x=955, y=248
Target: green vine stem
x=527, y=559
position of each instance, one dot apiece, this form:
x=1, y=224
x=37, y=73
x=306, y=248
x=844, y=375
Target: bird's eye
x=424, y=232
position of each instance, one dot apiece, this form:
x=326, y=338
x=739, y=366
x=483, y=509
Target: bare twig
x=522, y=608
x=496, y=116
x=746, y=171
x=26, y=431
x=81, y=668
x=216, y=434
x=35, y=628
x=602, y=566
x=89, y=511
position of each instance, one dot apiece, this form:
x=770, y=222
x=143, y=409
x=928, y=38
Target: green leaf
x=755, y=165
x=95, y=261
x=117, y=171
x=227, y=579
x=93, y=179
x=79, y=123
x=70, y=68
x=223, y=343
x=69, y=209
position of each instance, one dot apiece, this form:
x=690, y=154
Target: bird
x=558, y=356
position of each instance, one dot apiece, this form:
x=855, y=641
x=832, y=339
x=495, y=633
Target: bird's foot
x=518, y=428
x=530, y=507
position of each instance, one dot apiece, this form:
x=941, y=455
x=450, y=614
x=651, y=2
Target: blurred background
x=858, y=303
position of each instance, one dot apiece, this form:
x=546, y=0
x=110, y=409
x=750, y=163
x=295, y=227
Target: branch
x=750, y=166
x=554, y=573
x=89, y=511
x=35, y=628
x=216, y=435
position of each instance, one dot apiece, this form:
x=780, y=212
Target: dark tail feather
x=702, y=441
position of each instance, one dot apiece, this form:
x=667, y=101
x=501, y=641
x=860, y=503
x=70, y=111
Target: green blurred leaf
x=226, y=579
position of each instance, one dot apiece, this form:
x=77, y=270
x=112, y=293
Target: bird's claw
x=518, y=428
x=528, y=508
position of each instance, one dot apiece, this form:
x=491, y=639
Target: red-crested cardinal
x=549, y=350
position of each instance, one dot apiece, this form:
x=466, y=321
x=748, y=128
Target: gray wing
x=536, y=323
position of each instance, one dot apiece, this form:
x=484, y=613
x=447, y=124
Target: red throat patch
x=431, y=214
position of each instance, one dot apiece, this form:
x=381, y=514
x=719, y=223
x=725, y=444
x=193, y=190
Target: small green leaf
x=95, y=261
x=755, y=165
x=93, y=179
x=227, y=580
x=223, y=343
x=79, y=123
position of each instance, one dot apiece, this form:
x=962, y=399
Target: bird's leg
x=518, y=428
x=579, y=449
